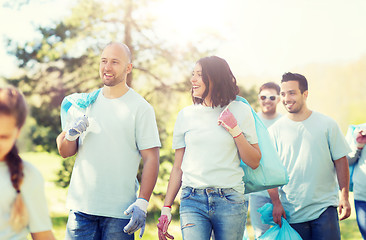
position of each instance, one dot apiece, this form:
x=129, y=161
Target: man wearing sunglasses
x=268, y=98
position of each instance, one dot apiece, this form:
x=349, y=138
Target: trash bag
x=286, y=232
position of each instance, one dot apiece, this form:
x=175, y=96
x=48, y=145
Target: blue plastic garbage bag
x=286, y=232
x=80, y=100
x=271, y=173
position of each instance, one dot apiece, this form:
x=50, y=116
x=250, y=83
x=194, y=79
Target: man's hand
x=228, y=121
x=77, y=129
x=278, y=212
x=361, y=138
x=344, y=209
x=164, y=221
x=138, y=210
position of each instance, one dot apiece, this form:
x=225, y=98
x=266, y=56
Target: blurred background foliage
x=65, y=57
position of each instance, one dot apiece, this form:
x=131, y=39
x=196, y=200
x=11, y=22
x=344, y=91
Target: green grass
x=49, y=164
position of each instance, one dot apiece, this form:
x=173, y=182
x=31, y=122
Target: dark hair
x=216, y=71
x=303, y=83
x=270, y=85
x=12, y=103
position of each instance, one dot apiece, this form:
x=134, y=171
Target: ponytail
x=19, y=215
x=12, y=103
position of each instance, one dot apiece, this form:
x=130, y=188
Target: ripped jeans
x=222, y=210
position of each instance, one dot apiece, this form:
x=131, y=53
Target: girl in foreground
x=23, y=206
x=210, y=137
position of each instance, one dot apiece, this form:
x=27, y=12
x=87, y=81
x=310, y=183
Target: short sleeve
x=245, y=119
x=338, y=145
x=35, y=199
x=179, y=132
x=147, y=135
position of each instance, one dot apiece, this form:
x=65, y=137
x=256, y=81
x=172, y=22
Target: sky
x=259, y=37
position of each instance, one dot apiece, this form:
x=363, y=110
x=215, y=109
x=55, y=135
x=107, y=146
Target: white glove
x=77, y=129
x=138, y=210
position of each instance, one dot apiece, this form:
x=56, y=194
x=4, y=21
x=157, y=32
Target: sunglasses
x=264, y=97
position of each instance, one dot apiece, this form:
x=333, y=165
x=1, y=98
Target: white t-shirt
x=32, y=191
x=268, y=122
x=104, y=174
x=307, y=149
x=211, y=157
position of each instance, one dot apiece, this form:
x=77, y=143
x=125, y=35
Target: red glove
x=164, y=221
x=361, y=138
x=228, y=121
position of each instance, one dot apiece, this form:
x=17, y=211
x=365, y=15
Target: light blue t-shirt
x=32, y=190
x=103, y=178
x=359, y=174
x=268, y=123
x=211, y=157
x=308, y=149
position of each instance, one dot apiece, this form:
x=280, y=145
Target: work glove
x=361, y=138
x=77, y=129
x=164, y=221
x=228, y=121
x=138, y=210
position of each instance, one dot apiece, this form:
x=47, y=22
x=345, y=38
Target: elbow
x=259, y=157
x=65, y=154
x=255, y=166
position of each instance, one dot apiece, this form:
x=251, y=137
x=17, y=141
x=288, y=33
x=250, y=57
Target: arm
x=249, y=153
x=342, y=170
x=67, y=141
x=175, y=180
x=138, y=209
x=150, y=172
x=354, y=156
x=46, y=235
x=174, y=185
x=360, y=143
x=278, y=210
x=65, y=147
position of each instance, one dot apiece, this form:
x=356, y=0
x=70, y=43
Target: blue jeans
x=81, y=226
x=323, y=228
x=256, y=202
x=222, y=210
x=360, y=207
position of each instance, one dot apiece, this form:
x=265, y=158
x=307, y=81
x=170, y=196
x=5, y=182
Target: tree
x=65, y=60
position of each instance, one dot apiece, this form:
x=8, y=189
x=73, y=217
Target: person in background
x=313, y=149
x=209, y=139
x=357, y=157
x=268, y=97
x=23, y=205
x=110, y=137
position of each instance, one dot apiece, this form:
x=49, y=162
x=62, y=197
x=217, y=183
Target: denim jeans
x=323, y=228
x=222, y=210
x=360, y=207
x=256, y=202
x=81, y=226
